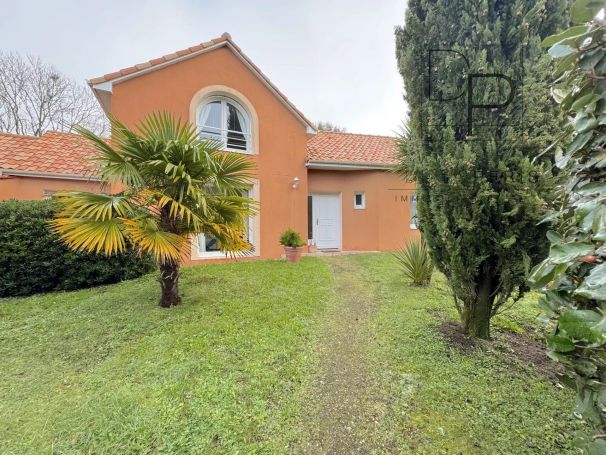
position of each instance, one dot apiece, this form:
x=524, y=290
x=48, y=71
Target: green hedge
x=32, y=259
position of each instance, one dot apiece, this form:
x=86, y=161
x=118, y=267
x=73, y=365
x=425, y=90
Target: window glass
x=210, y=120
x=413, y=210
x=236, y=127
x=224, y=120
x=359, y=200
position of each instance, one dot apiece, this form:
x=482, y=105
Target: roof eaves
x=347, y=165
x=50, y=175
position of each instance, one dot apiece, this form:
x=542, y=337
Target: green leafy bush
x=416, y=262
x=573, y=277
x=33, y=260
x=291, y=238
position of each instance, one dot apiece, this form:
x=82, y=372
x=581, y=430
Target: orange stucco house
x=334, y=187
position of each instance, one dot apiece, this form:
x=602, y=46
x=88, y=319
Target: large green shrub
x=573, y=277
x=480, y=195
x=33, y=260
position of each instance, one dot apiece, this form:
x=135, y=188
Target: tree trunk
x=476, y=317
x=169, y=282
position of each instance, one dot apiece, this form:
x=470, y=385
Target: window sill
x=219, y=255
x=243, y=152
x=210, y=255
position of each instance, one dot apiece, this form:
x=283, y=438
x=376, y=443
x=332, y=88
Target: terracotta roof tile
x=53, y=152
x=352, y=148
x=157, y=61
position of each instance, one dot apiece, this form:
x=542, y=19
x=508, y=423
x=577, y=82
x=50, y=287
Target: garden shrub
x=573, y=277
x=415, y=261
x=32, y=259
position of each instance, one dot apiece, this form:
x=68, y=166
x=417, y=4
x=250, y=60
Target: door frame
x=339, y=216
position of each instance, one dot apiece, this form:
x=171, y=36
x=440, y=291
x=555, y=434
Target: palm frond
x=232, y=171
x=230, y=209
x=147, y=235
x=166, y=128
x=91, y=235
x=81, y=204
x=114, y=165
x=178, y=211
x=230, y=238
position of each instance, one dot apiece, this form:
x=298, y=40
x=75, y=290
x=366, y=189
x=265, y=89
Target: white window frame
x=361, y=206
x=413, y=200
x=224, y=113
x=201, y=238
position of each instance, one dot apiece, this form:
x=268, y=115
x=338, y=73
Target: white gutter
x=48, y=175
x=346, y=166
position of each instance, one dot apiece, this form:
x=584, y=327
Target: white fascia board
x=48, y=175
x=346, y=166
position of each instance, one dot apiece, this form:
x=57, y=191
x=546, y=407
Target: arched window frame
x=224, y=131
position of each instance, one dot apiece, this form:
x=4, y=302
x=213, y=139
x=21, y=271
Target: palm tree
x=177, y=185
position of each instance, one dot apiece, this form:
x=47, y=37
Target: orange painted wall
x=282, y=138
x=33, y=188
x=384, y=225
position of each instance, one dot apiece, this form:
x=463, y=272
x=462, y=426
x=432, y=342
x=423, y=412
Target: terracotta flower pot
x=293, y=254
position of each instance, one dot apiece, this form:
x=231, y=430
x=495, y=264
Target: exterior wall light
x=295, y=182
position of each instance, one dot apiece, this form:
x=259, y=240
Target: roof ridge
x=225, y=37
x=224, y=40
x=357, y=134
x=24, y=136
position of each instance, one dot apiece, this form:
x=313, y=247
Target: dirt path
x=345, y=408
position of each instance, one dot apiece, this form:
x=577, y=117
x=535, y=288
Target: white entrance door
x=326, y=210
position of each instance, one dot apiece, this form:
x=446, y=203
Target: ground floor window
x=413, y=211
x=359, y=200
x=208, y=245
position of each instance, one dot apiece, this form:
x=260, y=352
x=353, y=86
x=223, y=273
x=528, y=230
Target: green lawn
x=445, y=401
x=106, y=371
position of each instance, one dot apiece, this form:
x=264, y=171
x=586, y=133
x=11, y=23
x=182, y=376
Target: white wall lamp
x=295, y=183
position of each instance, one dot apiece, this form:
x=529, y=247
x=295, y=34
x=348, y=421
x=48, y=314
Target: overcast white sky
x=335, y=59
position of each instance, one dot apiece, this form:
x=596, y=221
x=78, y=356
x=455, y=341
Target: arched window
x=223, y=119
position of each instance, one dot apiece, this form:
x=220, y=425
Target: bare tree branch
x=35, y=98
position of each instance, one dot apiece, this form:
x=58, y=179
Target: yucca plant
x=177, y=185
x=415, y=262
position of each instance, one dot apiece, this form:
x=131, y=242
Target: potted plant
x=293, y=245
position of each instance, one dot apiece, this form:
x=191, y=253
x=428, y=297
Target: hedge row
x=33, y=260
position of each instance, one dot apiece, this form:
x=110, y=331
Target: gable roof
x=102, y=86
x=54, y=154
x=329, y=149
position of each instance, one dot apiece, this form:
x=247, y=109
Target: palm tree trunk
x=169, y=282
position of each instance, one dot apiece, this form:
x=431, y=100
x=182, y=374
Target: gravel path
x=345, y=407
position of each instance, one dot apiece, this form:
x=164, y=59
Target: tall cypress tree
x=480, y=194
